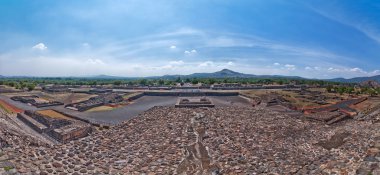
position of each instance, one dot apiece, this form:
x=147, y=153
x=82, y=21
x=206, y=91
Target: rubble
x=229, y=140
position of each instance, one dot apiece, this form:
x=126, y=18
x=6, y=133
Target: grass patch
x=8, y=168
x=5, y=109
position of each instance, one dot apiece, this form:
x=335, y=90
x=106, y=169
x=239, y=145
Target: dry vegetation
x=53, y=114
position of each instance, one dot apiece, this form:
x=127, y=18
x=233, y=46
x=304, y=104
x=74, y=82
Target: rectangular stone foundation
x=59, y=126
x=194, y=102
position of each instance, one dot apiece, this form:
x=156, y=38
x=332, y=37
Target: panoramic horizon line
x=158, y=76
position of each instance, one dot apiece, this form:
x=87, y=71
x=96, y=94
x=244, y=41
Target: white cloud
x=290, y=67
x=180, y=62
x=308, y=68
x=40, y=46
x=206, y=64
x=331, y=69
x=276, y=64
x=230, y=63
x=173, y=47
x=94, y=61
x=375, y=72
x=190, y=52
x=358, y=70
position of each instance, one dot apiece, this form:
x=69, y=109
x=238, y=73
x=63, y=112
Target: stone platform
x=194, y=102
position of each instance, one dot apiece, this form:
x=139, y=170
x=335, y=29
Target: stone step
x=337, y=119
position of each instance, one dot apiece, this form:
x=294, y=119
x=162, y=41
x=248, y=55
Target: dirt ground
x=52, y=114
x=100, y=108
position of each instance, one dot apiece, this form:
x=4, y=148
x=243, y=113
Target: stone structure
x=34, y=100
x=95, y=102
x=343, y=106
x=61, y=127
x=194, y=102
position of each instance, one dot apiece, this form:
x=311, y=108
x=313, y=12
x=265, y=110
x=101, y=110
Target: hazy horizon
x=311, y=39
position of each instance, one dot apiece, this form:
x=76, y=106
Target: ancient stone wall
x=32, y=123
x=69, y=133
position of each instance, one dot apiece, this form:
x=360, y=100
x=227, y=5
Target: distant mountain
x=356, y=79
x=110, y=77
x=225, y=73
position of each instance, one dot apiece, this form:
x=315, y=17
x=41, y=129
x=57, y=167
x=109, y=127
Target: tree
x=117, y=83
x=31, y=86
x=372, y=92
x=194, y=81
x=178, y=80
x=211, y=81
x=341, y=90
x=143, y=82
x=349, y=90
x=161, y=82
x=93, y=83
x=23, y=85
x=329, y=88
x=12, y=84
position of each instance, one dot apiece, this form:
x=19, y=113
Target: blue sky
x=314, y=39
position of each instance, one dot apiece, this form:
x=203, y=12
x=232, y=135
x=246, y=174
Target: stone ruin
x=335, y=112
x=60, y=126
x=95, y=102
x=194, y=102
x=34, y=100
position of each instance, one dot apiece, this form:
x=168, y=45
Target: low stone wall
x=69, y=133
x=41, y=105
x=32, y=123
x=135, y=97
x=48, y=121
x=63, y=130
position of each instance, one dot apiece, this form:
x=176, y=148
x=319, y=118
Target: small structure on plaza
x=194, y=102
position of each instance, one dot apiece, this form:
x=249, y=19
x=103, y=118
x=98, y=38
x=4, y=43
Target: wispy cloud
x=361, y=26
x=40, y=46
